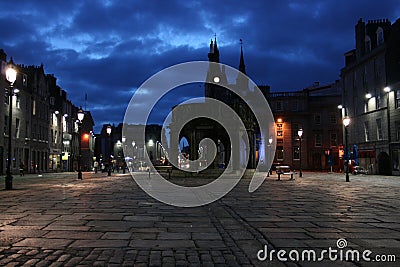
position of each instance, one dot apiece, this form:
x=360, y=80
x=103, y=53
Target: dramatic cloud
x=109, y=48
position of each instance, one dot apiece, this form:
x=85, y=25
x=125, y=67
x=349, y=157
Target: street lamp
x=346, y=122
x=387, y=89
x=81, y=115
x=300, y=133
x=109, y=144
x=270, y=155
x=11, y=75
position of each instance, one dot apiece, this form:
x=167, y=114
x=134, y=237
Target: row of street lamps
x=11, y=76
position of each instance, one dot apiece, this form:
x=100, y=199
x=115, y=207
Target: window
x=379, y=132
x=295, y=105
x=295, y=128
x=25, y=80
x=52, y=100
x=317, y=118
x=17, y=128
x=366, y=131
x=279, y=106
x=17, y=101
x=333, y=139
x=397, y=95
x=6, y=99
x=332, y=118
x=365, y=77
x=279, y=141
x=55, y=137
x=279, y=152
x=27, y=129
x=279, y=133
x=33, y=107
x=318, y=140
x=296, y=152
x=378, y=100
x=6, y=125
x=367, y=44
x=397, y=123
x=379, y=36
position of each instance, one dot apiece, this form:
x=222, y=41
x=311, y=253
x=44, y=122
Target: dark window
x=296, y=152
x=279, y=152
x=318, y=140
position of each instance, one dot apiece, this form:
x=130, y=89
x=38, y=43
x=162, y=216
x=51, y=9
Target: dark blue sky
x=108, y=48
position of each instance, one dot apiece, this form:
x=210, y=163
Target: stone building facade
x=371, y=95
x=43, y=121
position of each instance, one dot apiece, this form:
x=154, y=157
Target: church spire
x=213, y=56
x=242, y=67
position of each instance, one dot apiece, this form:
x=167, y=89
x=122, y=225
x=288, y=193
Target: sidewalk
x=57, y=220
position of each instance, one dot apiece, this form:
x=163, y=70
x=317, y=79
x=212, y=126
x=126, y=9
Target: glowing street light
x=300, y=133
x=81, y=115
x=346, y=122
x=11, y=75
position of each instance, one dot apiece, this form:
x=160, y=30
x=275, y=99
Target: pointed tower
x=213, y=70
x=242, y=81
x=213, y=55
x=242, y=67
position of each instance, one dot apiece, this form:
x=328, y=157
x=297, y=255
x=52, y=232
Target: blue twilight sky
x=108, y=48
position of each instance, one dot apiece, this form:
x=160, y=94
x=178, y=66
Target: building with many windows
x=43, y=122
x=371, y=95
x=314, y=110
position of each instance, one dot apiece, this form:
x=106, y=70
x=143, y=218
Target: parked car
x=359, y=170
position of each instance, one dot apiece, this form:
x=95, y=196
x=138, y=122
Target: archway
x=384, y=164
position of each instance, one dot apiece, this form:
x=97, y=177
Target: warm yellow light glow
x=279, y=120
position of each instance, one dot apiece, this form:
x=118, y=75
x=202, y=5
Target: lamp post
x=81, y=115
x=387, y=89
x=109, y=144
x=270, y=155
x=123, y=154
x=11, y=75
x=300, y=133
x=346, y=122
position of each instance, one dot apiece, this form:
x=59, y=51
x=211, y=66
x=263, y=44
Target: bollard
x=279, y=176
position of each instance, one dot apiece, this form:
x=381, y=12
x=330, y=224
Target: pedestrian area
x=57, y=220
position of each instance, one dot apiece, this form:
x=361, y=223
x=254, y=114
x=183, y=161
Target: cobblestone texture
x=57, y=220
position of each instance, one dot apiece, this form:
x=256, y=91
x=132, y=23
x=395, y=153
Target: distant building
x=314, y=110
x=374, y=111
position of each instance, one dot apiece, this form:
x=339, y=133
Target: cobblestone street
x=57, y=220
